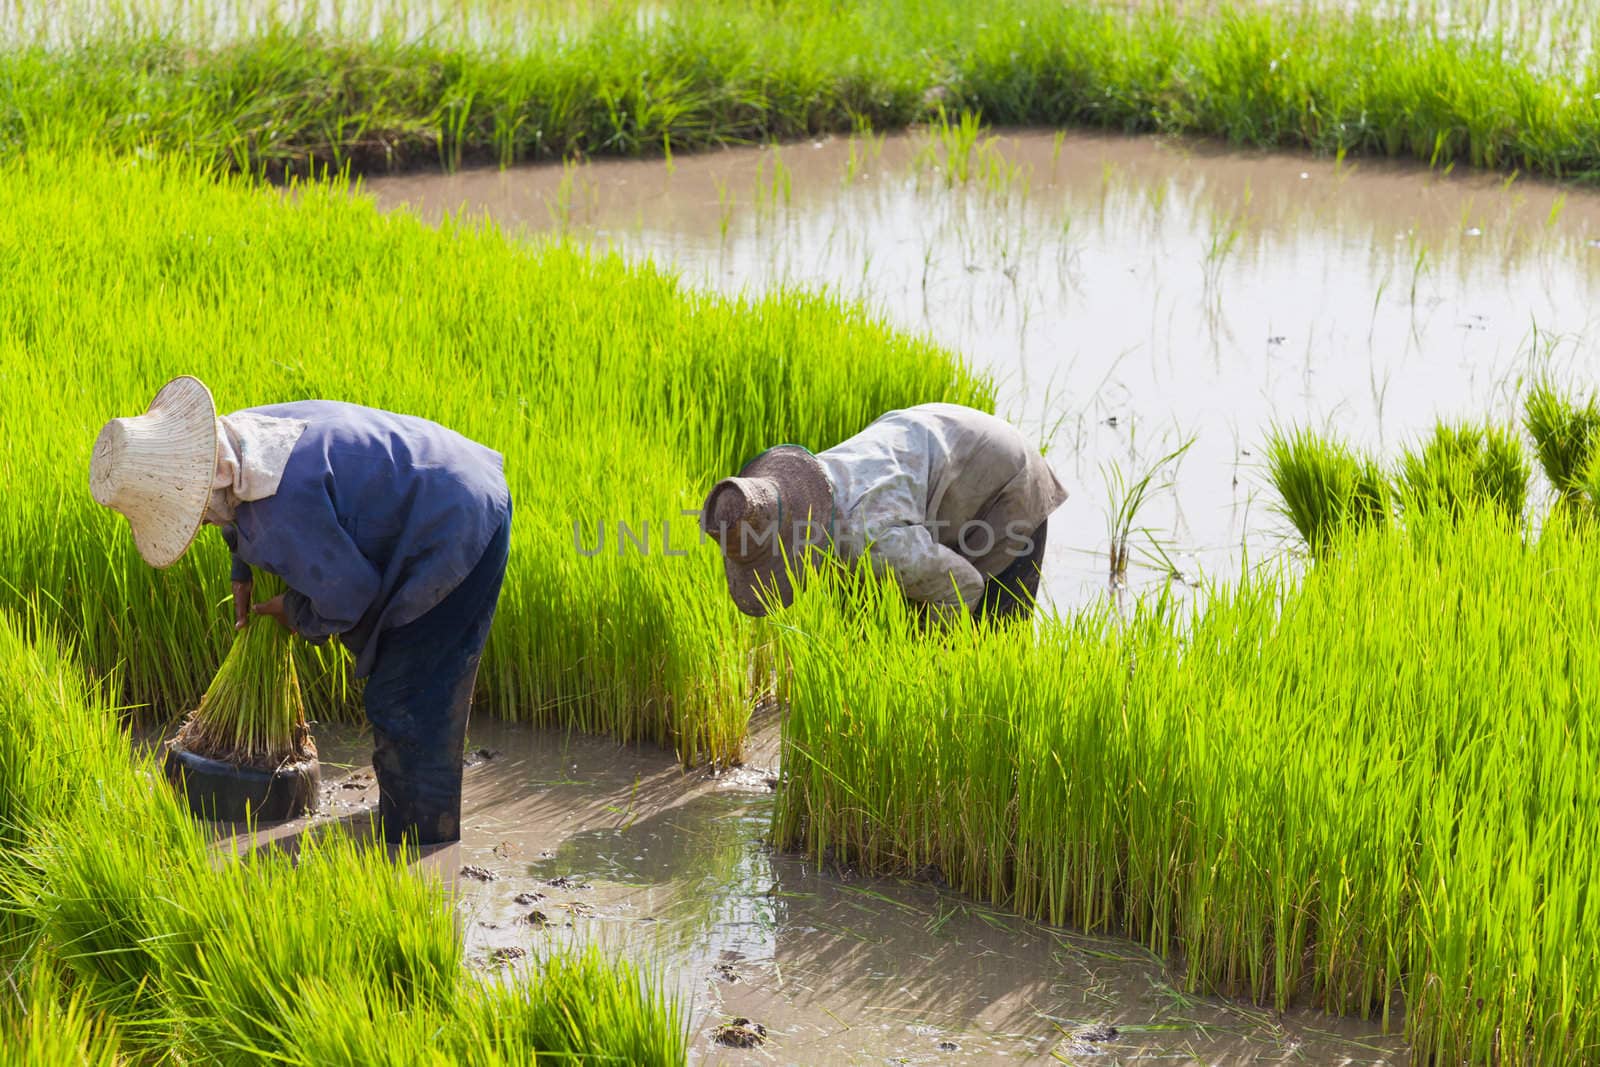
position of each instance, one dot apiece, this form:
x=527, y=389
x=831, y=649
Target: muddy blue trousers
x=418, y=697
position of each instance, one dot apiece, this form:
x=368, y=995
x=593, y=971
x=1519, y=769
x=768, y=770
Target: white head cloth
x=252, y=452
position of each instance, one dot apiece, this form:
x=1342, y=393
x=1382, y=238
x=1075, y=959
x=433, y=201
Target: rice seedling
x=1325, y=487
x=770, y=191
x=1564, y=438
x=1225, y=234
x=145, y=941
x=583, y=1008
x=957, y=149
x=42, y=1024
x=252, y=714
x=233, y=975
x=615, y=395
x=523, y=82
x=1126, y=499
x=55, y=742
x=1461, y=465
x=1358, y=788
x=96, y=886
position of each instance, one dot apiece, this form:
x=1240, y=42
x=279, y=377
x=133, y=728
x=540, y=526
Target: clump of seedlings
x=252, y=714
x=42, y=1024
x=247, y=751
x=1564, y=438
x=1463, y=465
x=1325, y=487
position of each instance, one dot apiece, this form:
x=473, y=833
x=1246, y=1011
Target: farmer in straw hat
x=389, y=531
x=951, y=501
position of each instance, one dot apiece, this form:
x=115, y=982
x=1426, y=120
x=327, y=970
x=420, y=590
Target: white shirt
x=942, y=495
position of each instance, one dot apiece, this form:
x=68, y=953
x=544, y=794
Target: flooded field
x=569, y=839
x=1129, y=295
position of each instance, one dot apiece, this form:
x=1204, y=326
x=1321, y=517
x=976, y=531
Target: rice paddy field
x=1302, y=318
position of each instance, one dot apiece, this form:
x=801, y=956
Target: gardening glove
x=241, y=603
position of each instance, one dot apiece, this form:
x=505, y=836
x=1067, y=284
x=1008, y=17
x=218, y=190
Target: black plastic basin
x=226, y=792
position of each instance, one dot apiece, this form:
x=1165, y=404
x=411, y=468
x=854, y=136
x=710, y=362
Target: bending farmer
x=389, y=531
x=953, y=502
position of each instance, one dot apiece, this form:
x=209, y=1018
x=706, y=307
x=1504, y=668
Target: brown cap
x=780, y=503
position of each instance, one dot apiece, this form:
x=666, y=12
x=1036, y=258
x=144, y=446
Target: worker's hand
x=241, y=603
x=274, y=609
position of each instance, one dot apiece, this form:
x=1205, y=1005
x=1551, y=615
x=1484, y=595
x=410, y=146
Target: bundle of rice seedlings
x=1564, y=439
x=1325, y=486
x=252, y=714
x=1464, y=465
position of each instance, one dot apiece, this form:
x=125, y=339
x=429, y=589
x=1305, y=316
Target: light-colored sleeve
x=928, y=572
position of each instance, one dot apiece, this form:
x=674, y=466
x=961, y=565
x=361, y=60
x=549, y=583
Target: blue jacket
x=378, y=517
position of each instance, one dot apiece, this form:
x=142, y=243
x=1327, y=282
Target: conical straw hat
x=157, y=469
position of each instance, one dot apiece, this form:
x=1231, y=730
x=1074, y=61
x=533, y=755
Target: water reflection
x=1128, y=294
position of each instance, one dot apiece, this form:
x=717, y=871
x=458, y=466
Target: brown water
x=1129, y=294
x=624, y=849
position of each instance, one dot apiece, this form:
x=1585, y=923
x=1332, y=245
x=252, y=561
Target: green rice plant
x=378, y=85
x=616, y=396
x=252, y=714
x=232, y=975
x=1462, y=465
x=957, y=149
x=1564, y=438
x=144, y=940
x=582, y=1006
x=577, y=1008
x=958, y=821
x=54, y=738
x=1362, y=787
x=42, y=1024
x=226, y=954
x=1126, y=499
x=1325, y=487
x=97, y=885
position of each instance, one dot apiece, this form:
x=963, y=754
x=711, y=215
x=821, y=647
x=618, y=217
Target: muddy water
x=1129, y=294
x=570, y=840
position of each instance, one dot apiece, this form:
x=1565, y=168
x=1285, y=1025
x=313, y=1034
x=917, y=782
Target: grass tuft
x=1325, y=488
x=1564, y=435
x=1462, y=466
x=44, y=1023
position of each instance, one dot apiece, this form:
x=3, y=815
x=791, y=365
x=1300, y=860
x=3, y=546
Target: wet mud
x=1128, y=294
x=569, y=840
